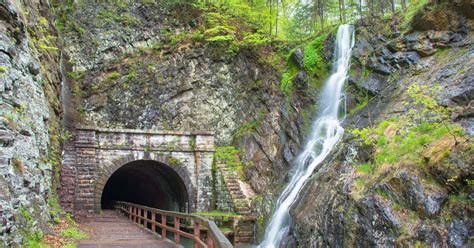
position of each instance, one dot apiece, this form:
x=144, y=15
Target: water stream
x=326, y=132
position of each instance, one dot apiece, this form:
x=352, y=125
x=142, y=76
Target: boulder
x=373, y=84
x=458, y=233
x=298, y=57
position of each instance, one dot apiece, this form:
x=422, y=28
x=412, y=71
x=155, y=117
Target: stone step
x=233, y=188
x=237, y=194
x=242, y=210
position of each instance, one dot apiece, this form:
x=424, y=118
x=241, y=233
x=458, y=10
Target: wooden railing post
x=134, y=210
x=176, y=228
x=163, y=226
x=145, y=222
x=133, y=215
x=153, y=219
x=197, y=234
x=210, y=239
x=137, y=215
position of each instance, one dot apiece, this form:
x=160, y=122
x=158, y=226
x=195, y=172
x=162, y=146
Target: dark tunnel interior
x=147, y=183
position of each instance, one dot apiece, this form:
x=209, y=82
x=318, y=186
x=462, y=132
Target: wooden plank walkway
x=109, y=229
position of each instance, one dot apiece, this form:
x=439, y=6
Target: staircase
x=241, y=194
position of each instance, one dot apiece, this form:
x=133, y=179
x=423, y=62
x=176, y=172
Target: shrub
x=313, y=60
x=229, y=155
x=74, y=233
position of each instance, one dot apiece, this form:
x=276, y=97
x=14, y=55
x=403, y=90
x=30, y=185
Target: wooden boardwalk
x=111, y=230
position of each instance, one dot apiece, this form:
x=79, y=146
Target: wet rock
x=300, y=82
x=459, y=96
x=407, y=190
x=298, y=57
x=379, y=66
x=433, y=202
x=423, y=47
x=28, y=99
x=362, y=49
x=458, y=233
x=430, y=235
x=374, y=84
x=466, y=7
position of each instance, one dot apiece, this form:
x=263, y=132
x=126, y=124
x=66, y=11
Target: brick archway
x=96, y=153
x=108, y=171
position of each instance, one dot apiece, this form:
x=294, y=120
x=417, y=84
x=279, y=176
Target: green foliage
x=174, y=161
x=113, y=75
x=255, y=39
x=250, y=126
x=406, y=137
x=229, y=155
x=413, y=8
x=148, y=3
x=381, y=192
x=73, y=233
x=442, y=53
x=216, y=213
x=76, y=75
x=288, y=76
x=55, y=210
x=361, y=105
x=313, y=60
x=364, y=168
x=109, y=16
x=33, y=236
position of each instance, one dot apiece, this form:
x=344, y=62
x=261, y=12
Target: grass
x=412, y=9
x=229, y=155
x=217, y=213
x=288, y=76
x=313, y=61
x=442, y=53
x=250, y=126
x=73, y=233
x=364, y=168
x=361, y=105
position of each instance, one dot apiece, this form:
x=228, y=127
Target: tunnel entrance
x=149, y=183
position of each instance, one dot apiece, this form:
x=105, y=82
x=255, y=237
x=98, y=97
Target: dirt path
x=111, y=230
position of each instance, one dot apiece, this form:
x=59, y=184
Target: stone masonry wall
x=99, y=152
x=29, y=112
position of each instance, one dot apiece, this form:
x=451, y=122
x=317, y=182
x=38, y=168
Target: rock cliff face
x=144, y=65
x=145, y=72
x=29, y=81
x=362, y=197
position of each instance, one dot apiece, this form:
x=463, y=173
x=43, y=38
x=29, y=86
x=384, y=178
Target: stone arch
x=164, y=160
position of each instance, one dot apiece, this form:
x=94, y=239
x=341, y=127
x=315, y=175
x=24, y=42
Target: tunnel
x=148, y=183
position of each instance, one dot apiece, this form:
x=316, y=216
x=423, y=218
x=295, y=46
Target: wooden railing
x=202, y=231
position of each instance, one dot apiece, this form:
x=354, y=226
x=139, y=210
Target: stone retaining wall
x=99, y=152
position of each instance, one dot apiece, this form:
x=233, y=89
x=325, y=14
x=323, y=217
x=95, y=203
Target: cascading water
x=325, y=134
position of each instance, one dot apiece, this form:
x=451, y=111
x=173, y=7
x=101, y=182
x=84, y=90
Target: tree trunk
x=404, y=4
x=271, y=16
x=343, y=5
x=340, y=12
x=392, y=2
x=321, y=13
x=382, y=8
x=276, y=18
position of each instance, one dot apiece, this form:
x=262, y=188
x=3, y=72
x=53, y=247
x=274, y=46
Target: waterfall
x=326, y=132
